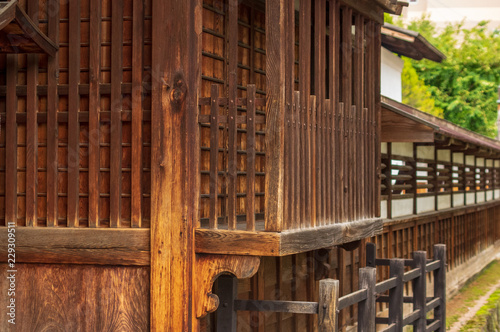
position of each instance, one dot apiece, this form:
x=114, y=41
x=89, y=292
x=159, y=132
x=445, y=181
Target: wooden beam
x=54, y=245
x=175, y=172
x=275, y=106
x=284, y=243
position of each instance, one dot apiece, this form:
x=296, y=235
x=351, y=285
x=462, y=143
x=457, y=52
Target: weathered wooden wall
x=78, y=298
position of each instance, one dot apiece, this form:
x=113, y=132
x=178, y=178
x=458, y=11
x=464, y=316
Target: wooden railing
x=370, y=292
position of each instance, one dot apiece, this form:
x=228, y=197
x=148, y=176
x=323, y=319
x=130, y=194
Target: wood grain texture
x=275, y=69
x=11, y=142
x=94, y=110
x=52, y=130
x=328, y=305
x=209, y=267
x=175, y=183
x=115, y=158
x=81, y=298
x=80, y=246
x=31, y=127
x=73, y=162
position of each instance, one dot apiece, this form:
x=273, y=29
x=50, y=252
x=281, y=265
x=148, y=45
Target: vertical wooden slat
x=232, y=112
x=342, y=162
x=137, y=112
x=73, y=109
x=250, y=206
x=296, y=159
x=32, y=127
x=334, y=47
x=328, y=305
x=175, y=173
x=328, y=163
x=314, y=192
x=214, y=154
x=94, y=108
x=115, y=159
x=347, y=100
x=275, y=83
x=52, y=105
x=303, y=166
x=319, y=87
x=11, y=140
x=358, y=100
x=304, y=87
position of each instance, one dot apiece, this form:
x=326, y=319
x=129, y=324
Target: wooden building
x=149, y=146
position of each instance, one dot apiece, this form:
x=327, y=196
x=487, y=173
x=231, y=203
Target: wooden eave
x=439, y=126
x=218, y=241
x=409, y=43
x=19, y=34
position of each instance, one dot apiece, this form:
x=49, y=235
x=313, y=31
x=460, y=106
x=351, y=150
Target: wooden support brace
x=209, y=267
x=328, y=304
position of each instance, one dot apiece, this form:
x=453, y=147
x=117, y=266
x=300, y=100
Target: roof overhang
x=409, y=43
x=403, y=123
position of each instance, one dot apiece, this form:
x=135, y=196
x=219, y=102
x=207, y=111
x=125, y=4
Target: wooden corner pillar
x=275, y=113
x=177, y=27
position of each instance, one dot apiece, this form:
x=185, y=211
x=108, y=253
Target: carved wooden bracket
x=209, y=267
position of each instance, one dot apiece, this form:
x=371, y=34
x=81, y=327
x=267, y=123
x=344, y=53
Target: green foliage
x=464, y=85
x=416, y=93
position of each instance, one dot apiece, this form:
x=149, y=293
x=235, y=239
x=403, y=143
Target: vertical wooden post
x=419, y=290
x=440, y=285
x=328, y=304
x=174, y=161
x=226, y=315
x=371, y=251
x=367, y=308
x=275, y=104
x=397, y=269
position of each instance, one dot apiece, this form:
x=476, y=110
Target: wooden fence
x=370, y=292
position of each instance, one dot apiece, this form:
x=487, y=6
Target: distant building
x=446, y=11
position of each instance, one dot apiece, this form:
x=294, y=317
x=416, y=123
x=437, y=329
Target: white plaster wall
x=391, y=69
x=425, y=204
x=444, y=202
x=402, y=207
x=458, y=199
x=471, y=198
x=489, y=195
x=497, y=193
x=497, y=163
x=402, y=149
x=383, y=147
x=480, y=196
x=489, y=162
x=480, y=162
x=469, y=160
x=383, y=209
x=444, y=155
x=458, y=157
x=425, y=152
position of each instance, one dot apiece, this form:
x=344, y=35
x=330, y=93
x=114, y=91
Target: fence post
x=440, y=285
x=226, y=315
x=367, y=308
x=397, y=269
x=328, y=304
x=371, y=251
x=420, y=290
